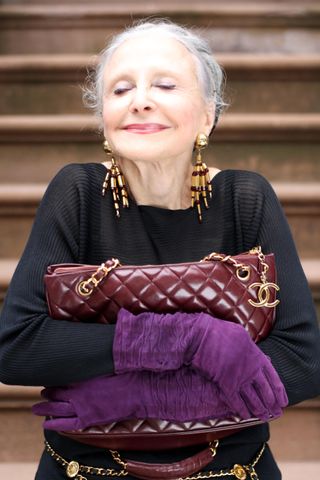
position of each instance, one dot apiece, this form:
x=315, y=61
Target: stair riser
x=159, y=2
x=24, y=439
x=276, y=161
x=40, y=98
x=94, y=40
x=279, y=161
x=14, y=234
x=296, y=435
x=243, y=96
x=272, y=96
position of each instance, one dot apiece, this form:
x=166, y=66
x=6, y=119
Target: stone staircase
x=271, y=55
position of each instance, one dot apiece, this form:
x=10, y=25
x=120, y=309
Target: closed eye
x=119, y=91
x=166, y=86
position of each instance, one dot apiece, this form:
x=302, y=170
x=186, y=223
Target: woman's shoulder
x=73, y=183
x=76, y=176
x=78, y=171
x=242, y=180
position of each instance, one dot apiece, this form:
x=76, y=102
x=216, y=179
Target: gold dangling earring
x=200, y=183
x=115, y=179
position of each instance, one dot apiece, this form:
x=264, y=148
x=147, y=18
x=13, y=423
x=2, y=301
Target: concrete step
x=18, y=204
x=296, y=435
x=78, y=28
x=283, y=147
x=50, y=84
x=297, y=470
x=187, y=3
x=24, y=440
x=18, y=470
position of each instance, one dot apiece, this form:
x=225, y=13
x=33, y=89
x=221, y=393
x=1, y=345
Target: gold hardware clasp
x=213, y=447
x=72, y=469
x=243, y=273
x=239, y=472
x=264, y=294
x=86, y=287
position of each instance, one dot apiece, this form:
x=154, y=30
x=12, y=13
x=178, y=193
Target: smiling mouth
x=144, y=128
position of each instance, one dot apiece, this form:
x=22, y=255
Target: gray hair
x=210, y=74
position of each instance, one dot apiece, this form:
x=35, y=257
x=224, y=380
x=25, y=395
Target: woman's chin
x=139, y=155
x=155, y=153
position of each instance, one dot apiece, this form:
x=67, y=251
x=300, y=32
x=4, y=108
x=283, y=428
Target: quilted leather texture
x=210, y=287
x=153, y=434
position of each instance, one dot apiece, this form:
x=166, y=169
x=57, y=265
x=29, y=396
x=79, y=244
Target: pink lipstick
x=144, y=128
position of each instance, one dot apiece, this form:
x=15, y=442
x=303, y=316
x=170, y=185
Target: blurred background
x=271, y=55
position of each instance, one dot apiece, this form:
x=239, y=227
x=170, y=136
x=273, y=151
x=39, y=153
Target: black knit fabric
x=74, y=223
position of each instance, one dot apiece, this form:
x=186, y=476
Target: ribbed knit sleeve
x=34, y=348
x=294, y=343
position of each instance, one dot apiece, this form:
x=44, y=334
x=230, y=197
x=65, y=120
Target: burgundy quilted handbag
x=240, y=288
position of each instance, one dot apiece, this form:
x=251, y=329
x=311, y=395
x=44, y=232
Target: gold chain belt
x=75, y=470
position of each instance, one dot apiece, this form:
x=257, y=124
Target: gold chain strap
x=263, y=292
x=86, y=287
x=242, y=270
x=74, y=469
x=243, y=274
x=258, y=251
x=241, y=472
x=116, y=457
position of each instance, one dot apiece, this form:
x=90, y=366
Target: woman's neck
x=159, y=185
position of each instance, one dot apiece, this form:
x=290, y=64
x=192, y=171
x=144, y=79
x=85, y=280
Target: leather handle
x=157, y=471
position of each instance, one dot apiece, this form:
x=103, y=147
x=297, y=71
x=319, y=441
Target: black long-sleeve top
x=74, y=223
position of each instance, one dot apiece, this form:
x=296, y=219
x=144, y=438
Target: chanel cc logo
x=264, y=294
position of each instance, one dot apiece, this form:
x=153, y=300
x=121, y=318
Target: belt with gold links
x=75, y=470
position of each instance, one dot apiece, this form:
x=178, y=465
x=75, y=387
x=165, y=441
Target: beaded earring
x=200, y=182
x=115, y=179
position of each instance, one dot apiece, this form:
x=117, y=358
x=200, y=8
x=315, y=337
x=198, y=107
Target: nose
x=141, y=101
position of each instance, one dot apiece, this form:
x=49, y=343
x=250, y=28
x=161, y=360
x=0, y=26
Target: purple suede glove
x=182, y=395
x=248, y=382
x=152, y=341
x=219, y=350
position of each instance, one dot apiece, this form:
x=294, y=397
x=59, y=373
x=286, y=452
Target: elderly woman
x=158, y=94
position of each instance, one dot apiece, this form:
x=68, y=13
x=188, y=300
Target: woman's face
x=153, y=106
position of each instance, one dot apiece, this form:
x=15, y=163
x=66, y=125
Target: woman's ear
x=210, y=117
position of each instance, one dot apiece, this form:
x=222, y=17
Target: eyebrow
x=128, y=77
